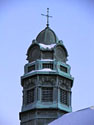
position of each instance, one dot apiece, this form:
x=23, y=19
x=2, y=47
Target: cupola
x=47, y=36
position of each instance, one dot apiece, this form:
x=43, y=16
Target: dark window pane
x=47, y=94
x=64, y=69
x=31, y=68
x=30, y=96
x=63, y=96
x=48, y=65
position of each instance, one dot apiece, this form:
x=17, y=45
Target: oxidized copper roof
x=47, y=36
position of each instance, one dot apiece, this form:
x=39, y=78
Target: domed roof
x=81, y=117
x=47, y=36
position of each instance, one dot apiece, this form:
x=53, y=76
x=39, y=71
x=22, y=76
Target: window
x=63, y=96
x=30, y=68
x=30, y=96
x=45, y=65
x=64, y=69
x=47, y=94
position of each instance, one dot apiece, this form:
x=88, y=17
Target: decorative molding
x=65, y=83
x=28, y=83
x=47, y=80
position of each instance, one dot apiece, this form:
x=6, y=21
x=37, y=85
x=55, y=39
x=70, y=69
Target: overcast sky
x=20, y=23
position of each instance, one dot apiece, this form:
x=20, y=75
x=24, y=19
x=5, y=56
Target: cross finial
x=47, y=17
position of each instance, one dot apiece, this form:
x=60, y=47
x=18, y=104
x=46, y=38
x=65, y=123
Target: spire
x=47, y=17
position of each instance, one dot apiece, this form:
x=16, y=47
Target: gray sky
x=20, y=23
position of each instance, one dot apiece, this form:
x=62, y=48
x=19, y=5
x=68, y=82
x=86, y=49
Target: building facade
x=47, y=81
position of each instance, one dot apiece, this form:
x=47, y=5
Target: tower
x=47, y=81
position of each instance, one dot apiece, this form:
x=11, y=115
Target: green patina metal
x=47, y=36
x=47, y=81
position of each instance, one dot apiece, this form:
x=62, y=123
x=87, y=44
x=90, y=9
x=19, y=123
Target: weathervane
x=47, y=16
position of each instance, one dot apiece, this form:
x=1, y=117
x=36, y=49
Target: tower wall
x=46, y=82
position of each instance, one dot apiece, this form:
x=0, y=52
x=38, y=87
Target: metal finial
x=47, y=17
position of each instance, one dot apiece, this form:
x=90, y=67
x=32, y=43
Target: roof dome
x=47, y=36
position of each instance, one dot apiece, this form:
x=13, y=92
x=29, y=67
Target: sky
x=20, y=23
